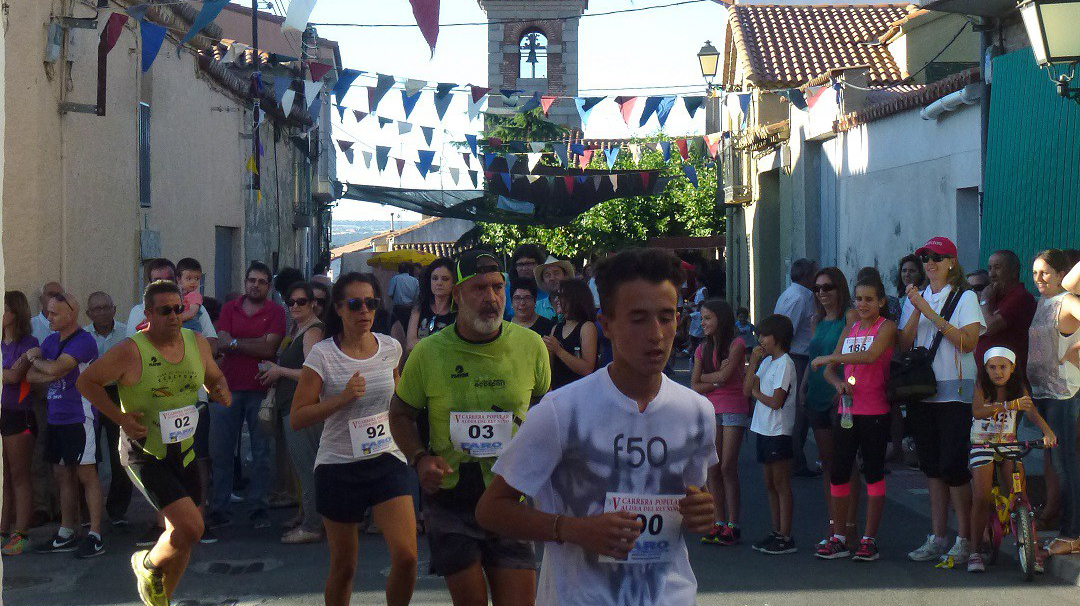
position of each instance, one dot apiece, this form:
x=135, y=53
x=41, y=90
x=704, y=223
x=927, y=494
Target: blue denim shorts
x=732, y=419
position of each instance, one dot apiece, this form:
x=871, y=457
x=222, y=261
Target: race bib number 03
x=178, y=425
x=857, y=344
x=661, y=525
x=481, y=434
x=370, y=436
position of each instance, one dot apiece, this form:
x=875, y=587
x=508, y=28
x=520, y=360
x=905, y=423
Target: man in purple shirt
x=249, y=330
x=71, y=435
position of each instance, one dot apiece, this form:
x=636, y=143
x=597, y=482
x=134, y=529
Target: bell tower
x=533, y=46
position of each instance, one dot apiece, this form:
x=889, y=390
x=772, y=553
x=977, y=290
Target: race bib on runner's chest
x=999, y=427
x=370, y=436
x=857, y=344
x=481, y=434
x=178, y=425
x=661, y=525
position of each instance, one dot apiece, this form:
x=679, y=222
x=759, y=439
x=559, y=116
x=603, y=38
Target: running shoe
x=960, y=551
x=150, y=537
x=59, y=544
x=867, y=551
x=833, y=549
x=260, y=519
x=299, y=536
x=90, y=547
x=763, y=543
x=16, y=544
x=150, y=582
x=217, y=520
x=208, y=536
x=713, y=536
x=975, y=562
x=120, y=523
x=780, y=545
x=730, y=535
x=931, y=550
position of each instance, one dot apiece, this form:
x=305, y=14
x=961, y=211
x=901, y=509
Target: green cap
x=474, y=262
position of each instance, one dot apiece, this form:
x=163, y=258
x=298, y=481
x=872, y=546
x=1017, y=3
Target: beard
x=485, y=326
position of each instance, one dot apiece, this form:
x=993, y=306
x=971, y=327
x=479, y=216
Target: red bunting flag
x=478, y=92
x=713, y=143
x=113, y=28
x=545, y=102
x=494, y=141
x=626, y=106
x=569, y=182
x=681, y=144
x=585, y=158
x=426, y=13
x=468, y=159
x=645, y=177
x=317, y=70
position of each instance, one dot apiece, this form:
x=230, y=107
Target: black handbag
x=911, y=375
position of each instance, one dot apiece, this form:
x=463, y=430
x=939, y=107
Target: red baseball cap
x=939, y=245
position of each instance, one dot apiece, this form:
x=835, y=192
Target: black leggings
x=869, y=436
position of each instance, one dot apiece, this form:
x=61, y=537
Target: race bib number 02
x=370, y=436
x=661, y=525
x=178, y=425
x=481, y=434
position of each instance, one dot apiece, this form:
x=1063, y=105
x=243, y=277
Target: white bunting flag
x=287, y=101
x=404, y=127
x=311, y=90
x=538, y=146
x=534, y=159
x=296, y=19
x=533, y=178
x=635, y=151
x=413, y=86
x=367, y=158
x=455, y=173
x=614, y=180
x=474, y=107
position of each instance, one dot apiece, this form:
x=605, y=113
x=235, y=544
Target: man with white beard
x=473, y=381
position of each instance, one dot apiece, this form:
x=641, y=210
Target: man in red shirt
x=250, y=329
x=1007, y=307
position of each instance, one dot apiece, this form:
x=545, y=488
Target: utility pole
x=256, y=93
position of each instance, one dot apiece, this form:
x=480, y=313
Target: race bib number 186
x=661, y=525
x=481, y=434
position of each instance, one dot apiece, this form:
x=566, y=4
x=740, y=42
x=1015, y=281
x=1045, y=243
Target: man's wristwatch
x=233, y=344
x=417, y=456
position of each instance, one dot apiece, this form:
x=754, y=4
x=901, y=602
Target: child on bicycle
x=999, y=394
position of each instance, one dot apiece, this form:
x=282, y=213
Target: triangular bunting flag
x=384, y=121
x=545, y=103
x=646, y=177
x=311, y=91
x=614, y=180
x=690, y=173
x=287, y=100
x=532, y=103
x=153, y=35
x=635, y=153
x=350, y=154
x=251, y=167
x=494, y=141
x=664, y=109
x=597, y=182
x=443, y=89
x=343, y=144
x=424, y=164
x=474, y=106
x=585, y=106
x=315, y=109
x=138, y=11
x=534, y=159
x=428, y=131
x=569, y=183
x=626, y=106
x=473, y=175
x=683, y=150
x=697, y=145
x=510, y=96
x=478, y=92
x=207, y=14
x=665, y=147
x=560, y=151
x=468, y=161
x=382, y=154
x=375, y=95
x=113, y=28
x=712, y=140
x=408, y=102
x=511, y=160
x=693, y=104
x=404, y=127
x=537, y=146
x=426, y=13
x=455, y=174
x=367, y=158
x=235, y=51
x=316, y=71
x=359, y=115
x=281, y=84
x=400, y=166
x=344, y=83
x=296, y=18
x=532, y=178
x=443, y=98
x=611, y=154
x=488, y=158
x=506, y=180
x=413, y=86
x=577, y=149
x=651, y=103
x=471, y=140
x=585, y=158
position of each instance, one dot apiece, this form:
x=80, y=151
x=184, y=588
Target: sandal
x=1060, y=546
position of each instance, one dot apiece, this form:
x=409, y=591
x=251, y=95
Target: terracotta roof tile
x=908, y=98
x=787, y=46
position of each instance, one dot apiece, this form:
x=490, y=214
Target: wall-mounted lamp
x=1052, y=28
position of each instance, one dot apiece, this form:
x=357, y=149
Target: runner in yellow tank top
x=159, y=372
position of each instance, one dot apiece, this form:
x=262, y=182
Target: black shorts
x=868, y=436
x=771, y=449
x=71, y=444
x=942, y=432
x=344, y=491
x=457, y=542
x=202, y=433
x=14, y=422
x=820, y=419
x=164, y=481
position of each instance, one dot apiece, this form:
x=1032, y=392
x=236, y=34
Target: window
x=533, y=55
x=144, y=155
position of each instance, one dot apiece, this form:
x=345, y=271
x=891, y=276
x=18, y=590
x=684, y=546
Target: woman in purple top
x=17, y=424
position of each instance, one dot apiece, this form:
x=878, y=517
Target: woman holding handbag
x=945, y=318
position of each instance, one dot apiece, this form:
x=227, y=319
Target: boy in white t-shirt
x=773, y=388
x=615, y=460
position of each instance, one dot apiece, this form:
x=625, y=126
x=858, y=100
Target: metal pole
x=256, y=88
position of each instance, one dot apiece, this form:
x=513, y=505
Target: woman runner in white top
x=346, y=383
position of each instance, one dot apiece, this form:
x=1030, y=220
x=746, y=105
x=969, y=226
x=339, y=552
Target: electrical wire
x=920, y=70
x=510, y=21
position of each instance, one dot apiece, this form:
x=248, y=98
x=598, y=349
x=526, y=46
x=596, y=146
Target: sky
x=649, y=52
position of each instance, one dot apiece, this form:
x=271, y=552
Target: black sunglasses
x=824, y=287
x=371, y=303
x=933, y=256
x=166, y=310
x=301, y=301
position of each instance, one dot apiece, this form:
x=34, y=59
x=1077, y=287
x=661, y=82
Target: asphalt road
x=250, y=567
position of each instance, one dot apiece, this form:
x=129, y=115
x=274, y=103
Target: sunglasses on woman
x=301, y=301
x=819, y=288
x=935, y=257
x=371, y=303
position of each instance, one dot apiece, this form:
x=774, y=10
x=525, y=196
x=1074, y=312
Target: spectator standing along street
x=1008, y=308
x=524, y=260
x=797, y=303
x=403, y=291
x=39, y=324
x=548, y=277
x=250, y=329
x=18, y=425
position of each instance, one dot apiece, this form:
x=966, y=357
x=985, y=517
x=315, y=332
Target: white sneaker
x=960, y=551
x=931, y=550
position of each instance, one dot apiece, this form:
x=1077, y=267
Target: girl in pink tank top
x=865, y=352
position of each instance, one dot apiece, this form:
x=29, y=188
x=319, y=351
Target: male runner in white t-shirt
x=615, y=460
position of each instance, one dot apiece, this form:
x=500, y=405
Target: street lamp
x=709, y=59
x=1055, y=38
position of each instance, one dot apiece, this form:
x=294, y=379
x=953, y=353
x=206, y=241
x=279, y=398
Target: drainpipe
x=986, y=29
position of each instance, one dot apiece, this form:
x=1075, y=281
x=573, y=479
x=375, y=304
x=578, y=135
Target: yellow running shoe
x=150, y=583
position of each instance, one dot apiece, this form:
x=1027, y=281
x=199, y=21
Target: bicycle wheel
x=1025, y=540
